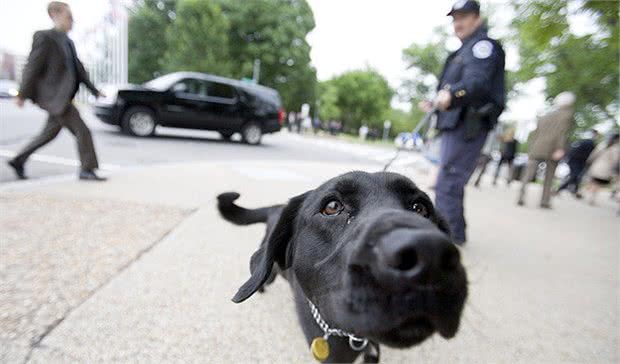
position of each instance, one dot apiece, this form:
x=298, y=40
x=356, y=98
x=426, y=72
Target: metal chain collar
x=356, y=343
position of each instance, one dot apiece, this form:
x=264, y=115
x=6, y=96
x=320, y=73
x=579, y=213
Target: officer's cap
x=465, y=6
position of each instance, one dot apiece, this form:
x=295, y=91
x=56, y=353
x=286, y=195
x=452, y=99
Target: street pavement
x=116, y=150
x=141, y=269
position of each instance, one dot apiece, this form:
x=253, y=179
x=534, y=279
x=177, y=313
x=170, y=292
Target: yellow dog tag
x=320, y=348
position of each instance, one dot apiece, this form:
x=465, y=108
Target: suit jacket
x=551, y=133
x=49, y=78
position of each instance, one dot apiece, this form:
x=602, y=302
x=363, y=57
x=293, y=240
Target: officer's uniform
x=474, y=76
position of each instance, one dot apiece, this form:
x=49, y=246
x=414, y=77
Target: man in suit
x=547, y=144
x=51, y=79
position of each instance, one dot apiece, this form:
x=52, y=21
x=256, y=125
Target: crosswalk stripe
x=56, y=160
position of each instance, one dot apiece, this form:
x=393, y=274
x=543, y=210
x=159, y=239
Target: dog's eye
x=333, y=207
x=420, y=209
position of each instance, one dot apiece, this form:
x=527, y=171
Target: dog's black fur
x=345, y=262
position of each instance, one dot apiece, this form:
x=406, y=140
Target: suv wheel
x=252, y=133
x=139, y=121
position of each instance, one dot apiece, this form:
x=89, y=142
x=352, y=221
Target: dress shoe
x=90, y=176
x=18, y=168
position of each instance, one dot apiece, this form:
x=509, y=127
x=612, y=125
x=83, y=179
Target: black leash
x=425, y=120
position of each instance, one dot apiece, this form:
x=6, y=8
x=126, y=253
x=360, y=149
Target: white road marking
x=376, y=154
x=35, y=182
x=57, y=160
x=268, y=174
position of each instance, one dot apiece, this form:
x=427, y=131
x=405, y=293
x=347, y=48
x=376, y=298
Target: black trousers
x=483, y=161
x=71, y=120
x=504, y=160
x=458, y=159
x=574, y=178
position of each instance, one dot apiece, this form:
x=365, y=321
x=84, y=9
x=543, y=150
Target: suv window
x=191, y=86
x=221, y=90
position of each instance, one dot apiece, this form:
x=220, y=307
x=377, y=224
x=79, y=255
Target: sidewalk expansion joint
x=36, y=341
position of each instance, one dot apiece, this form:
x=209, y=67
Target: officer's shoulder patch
x=482, y=49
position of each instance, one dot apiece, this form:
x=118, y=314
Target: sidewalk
x=141, y=269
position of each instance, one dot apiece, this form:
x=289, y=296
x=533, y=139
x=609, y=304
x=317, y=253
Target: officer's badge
x=482, y=49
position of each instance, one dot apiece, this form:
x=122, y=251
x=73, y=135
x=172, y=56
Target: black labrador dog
x=369, y=261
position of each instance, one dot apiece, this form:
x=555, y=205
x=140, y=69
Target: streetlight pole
x=256, y=71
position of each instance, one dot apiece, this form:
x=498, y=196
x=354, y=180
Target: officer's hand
x=425, y=105
x=557, y=155
x=443, y=100
x=19, y=102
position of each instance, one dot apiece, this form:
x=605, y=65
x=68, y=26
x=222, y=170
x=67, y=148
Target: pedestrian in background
x=298, y=121
x=604, y=166
x=547, y=144
x=316, y=125
x=291, y=121
x=486, y=155
x=470, y=98
x=51, y=78
x=363, y=132
x=576, y=159
x=509, y=149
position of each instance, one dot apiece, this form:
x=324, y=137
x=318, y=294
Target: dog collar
x=320, y=345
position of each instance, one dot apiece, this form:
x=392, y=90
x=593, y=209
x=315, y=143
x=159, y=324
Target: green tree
x=425, y=62
x=148, y=24
x=363, y=97
x=328, y=101
x=402, y=121
x=587, y=64
x=198, y=39
x=274, y=32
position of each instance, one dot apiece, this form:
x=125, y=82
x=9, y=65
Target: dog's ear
x=273, y=250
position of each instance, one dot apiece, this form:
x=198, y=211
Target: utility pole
x=256, y=71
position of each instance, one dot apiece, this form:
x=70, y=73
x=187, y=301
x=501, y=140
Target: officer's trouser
x=70, y=119
x=457, y=163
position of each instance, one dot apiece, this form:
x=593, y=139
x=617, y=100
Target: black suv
x=194, y=101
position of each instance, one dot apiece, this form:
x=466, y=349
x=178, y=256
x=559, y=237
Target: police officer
x=470, y=98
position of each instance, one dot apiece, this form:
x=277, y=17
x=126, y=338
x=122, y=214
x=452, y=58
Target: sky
x=349, y=34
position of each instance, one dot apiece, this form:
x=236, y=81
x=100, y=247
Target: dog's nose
x=415, y=253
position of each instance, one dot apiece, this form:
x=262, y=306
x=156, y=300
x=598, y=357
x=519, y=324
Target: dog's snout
x=413, y=253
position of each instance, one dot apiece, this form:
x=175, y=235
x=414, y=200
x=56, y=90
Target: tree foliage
x=274, y=32
x=148, y=24
x=225, y=37
x=328, y=101
x=402, y=121
x=198, y=39
x=586, y=64
x=356, y=98
x=425, y=62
